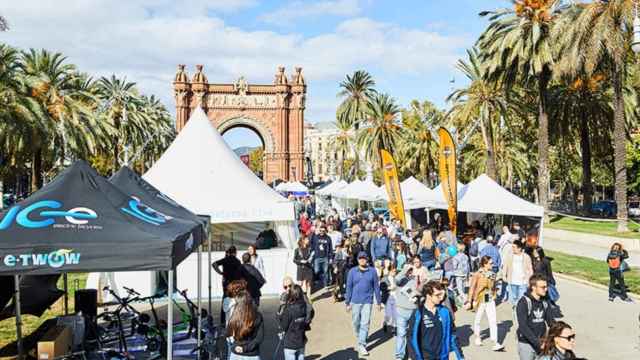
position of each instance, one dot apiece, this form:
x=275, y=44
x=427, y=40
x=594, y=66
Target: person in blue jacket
x=380, y=246
x=362, y=286
x=433, y=332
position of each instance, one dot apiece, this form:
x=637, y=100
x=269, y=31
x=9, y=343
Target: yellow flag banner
x=448, y=176
x=392, y=184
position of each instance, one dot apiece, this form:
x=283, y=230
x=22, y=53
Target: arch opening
x=248, y=144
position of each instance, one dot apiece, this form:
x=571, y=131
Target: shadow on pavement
x=378, y=338
x=346, y=354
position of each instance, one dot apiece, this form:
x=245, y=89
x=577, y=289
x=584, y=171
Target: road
x=604, y=330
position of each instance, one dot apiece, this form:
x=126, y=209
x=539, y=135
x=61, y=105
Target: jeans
x=526, y=351
x=321, y=266
x=490, y=308
x=361, y=317
x=516, y=292
x=402, y=327
x=294, y=354
x=616, y=278
x=429, y=264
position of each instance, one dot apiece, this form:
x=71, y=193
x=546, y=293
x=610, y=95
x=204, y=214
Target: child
x=339, y=269
x=387, y=289
x=460, y=273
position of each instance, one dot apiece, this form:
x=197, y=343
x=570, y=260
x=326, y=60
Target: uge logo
x=142, y=212
x=35, y=216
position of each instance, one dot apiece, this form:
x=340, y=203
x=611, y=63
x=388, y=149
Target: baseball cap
x=362, y=255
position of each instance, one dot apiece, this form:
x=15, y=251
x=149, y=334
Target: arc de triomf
x=275, y=112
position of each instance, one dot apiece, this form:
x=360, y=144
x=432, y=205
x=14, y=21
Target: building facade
x=274, y=111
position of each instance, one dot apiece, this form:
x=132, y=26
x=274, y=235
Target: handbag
x=624, y=267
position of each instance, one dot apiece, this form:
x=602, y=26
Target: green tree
x=482, y=100
x=417, y=148
x=599, y=38
x=382, y=128
x=67, y=126
x=343, y=143
x=517, y=48
x=256, y=161
x=356, y=91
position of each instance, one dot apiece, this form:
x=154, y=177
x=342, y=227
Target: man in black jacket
x=294, y=322
x=534, y=316
x=254, y=279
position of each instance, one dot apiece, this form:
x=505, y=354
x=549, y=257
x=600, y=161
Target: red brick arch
x=275, y=112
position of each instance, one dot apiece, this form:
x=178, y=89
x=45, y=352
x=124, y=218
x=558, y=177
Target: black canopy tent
x=80, y=222
x=135, y=186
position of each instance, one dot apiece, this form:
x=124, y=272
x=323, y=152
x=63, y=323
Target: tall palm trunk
x=36, y=170
x=585, y=145
x=619, y=151
x=487, y=136
x=543, y=142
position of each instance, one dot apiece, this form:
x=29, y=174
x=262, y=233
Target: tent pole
x=540, y=240
x=199, y=300
x=170, y=318
x=209, y=272
x=65, y=279
x=16, y=300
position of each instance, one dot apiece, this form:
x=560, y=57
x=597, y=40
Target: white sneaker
x=497, y=347
x=478, y=341
x=362, y=351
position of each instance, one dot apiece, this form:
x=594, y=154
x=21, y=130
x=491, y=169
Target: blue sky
x=409, y=46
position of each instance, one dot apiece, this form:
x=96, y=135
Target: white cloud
x=298, y=10
x=144, y=40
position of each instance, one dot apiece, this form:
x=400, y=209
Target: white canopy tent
x=483, y=195
x=333, y=188
x=200, y=172
x=293, y=187
x=365, y=190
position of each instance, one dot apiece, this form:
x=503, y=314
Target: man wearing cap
x=362, y=286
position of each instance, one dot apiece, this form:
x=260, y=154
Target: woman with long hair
x=236, y=292
x=256, y=260
x=558, y=343
x=542, y=265
x=400, y=254
x=617, y=267
x=303, y=258
x=482, y=295
x=427, y=250
x=294, y=323
x=246, y=330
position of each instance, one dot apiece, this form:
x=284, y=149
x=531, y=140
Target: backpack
x=545, y=305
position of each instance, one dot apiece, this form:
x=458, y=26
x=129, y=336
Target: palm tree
x=381, y=130
x=123, y=110
x=343, y=143
x=517, y=48
x=483, y=100
x=68, y=127
x=356, y=91
x=582, y=108
x=417, y=148
x=20, y=116
x=599, y=38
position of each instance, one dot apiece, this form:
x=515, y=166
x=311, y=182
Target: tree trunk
x=620, y=151
x=487, y=136
x=585, y=145
x=543, y=143
x=36, y=171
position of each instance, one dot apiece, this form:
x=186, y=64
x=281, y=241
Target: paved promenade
x=588, y=245
x=604, y=330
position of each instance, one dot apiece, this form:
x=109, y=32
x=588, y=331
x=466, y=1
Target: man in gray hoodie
x=406, y=297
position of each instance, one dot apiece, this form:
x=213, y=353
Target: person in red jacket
x=305, y=224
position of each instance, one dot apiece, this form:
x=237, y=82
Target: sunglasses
x=568, y=338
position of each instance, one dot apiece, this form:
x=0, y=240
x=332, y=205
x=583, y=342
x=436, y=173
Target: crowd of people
x=420, y=278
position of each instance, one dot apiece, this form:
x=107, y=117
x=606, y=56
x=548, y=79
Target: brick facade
x=275, y=112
